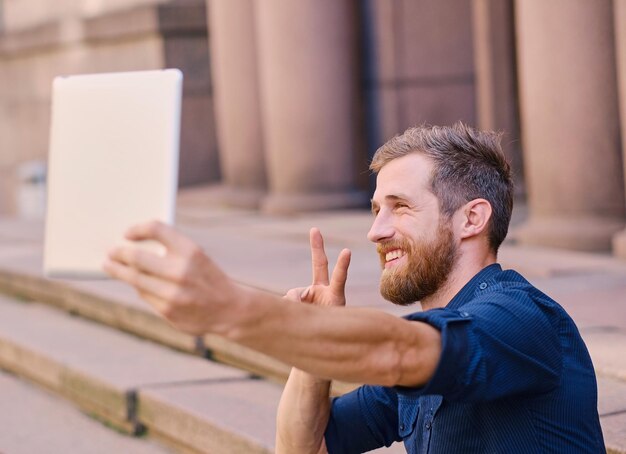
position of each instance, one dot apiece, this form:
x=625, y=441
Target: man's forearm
x=303, y=414
x=350, y=344
x=196, y=296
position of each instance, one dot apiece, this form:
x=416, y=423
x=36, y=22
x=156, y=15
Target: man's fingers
x=319, y=261
x=300, y=294
x=158, y=304
x=160, y=289
x=307, y=295
x=294, y=294
x=148, y=262
x=340, y=273
x=165, y=234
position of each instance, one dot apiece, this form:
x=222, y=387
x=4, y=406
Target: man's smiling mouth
x=393, y=256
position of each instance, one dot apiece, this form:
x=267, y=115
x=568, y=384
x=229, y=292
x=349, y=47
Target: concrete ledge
x=289, y=203
x=97, y=368
x=577, y=233
x=609, y=360
x=232, y=354
x=208, y=418
x=612, y=411
x=36, y=421
x=92, y=301
x=116, y=305
x=614, y=428
x=97, y=308
x=95, y=398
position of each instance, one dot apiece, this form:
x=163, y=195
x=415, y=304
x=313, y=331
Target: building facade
x=285, y=101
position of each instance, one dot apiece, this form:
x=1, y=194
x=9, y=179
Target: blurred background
x=286, y=101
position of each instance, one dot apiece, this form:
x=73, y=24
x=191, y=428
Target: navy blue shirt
x=514, y=377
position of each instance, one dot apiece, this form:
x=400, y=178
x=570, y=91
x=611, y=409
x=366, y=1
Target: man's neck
x=461, y=274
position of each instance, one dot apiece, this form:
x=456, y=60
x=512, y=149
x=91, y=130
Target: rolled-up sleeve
x=362, y=420
x=492, y=349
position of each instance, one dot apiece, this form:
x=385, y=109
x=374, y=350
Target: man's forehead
x=408, y=177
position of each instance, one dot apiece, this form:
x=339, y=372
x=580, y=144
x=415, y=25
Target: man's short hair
x=468, y=164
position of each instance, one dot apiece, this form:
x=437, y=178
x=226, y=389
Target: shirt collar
x=468, y=291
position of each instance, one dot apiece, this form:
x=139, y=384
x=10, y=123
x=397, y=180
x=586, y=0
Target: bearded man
x=490, y=364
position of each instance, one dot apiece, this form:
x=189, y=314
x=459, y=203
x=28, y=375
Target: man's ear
x=475, y=217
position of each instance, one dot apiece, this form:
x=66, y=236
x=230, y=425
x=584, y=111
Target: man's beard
x=426, y=270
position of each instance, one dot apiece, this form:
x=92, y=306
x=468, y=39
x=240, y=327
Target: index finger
x=319, y=261
x=161, y=232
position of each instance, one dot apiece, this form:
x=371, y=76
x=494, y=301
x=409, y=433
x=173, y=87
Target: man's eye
x=401, y=205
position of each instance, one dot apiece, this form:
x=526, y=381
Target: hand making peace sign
x=323, y=292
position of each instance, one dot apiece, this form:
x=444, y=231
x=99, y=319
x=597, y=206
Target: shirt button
x=428, y=425
x=402, y=427
x=463, y=314
x=482, y=286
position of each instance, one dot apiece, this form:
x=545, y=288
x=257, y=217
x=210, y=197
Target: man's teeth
x=393, y=255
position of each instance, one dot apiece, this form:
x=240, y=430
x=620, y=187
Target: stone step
x=117, y=305
x=607, y=347
x=34, y=420
x=177, y=413
x=612, y=410
x=189, y=403
x=133, y=384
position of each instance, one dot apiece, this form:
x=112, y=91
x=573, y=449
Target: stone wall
x=326, y=83
x=425, y=63
x=40, y=42
x=570, y=123
x=308, y=90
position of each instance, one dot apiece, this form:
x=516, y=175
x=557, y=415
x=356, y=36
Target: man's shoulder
x=499, y=294
x=510, y=292
x=508, y=285
x=510, y=278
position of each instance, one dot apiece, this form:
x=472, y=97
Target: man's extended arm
x=350, y=344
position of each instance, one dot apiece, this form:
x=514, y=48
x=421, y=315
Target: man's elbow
x=415, y=362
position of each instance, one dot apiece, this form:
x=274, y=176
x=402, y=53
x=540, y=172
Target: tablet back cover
x=113, y=162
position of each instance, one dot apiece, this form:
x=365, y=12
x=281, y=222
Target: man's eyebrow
x=399, y=196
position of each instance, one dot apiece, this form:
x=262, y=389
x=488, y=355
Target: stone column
x=234, y=72
x=570, y=130
x=496, y=81
x=307, y=74
x=619, y=240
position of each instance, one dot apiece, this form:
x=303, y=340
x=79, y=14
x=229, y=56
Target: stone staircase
x=136, y=385
x=96, y=345
x=34, y=420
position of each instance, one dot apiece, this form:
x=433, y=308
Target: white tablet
x=113, y=162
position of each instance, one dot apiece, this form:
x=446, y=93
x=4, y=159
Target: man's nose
x=381, y=230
